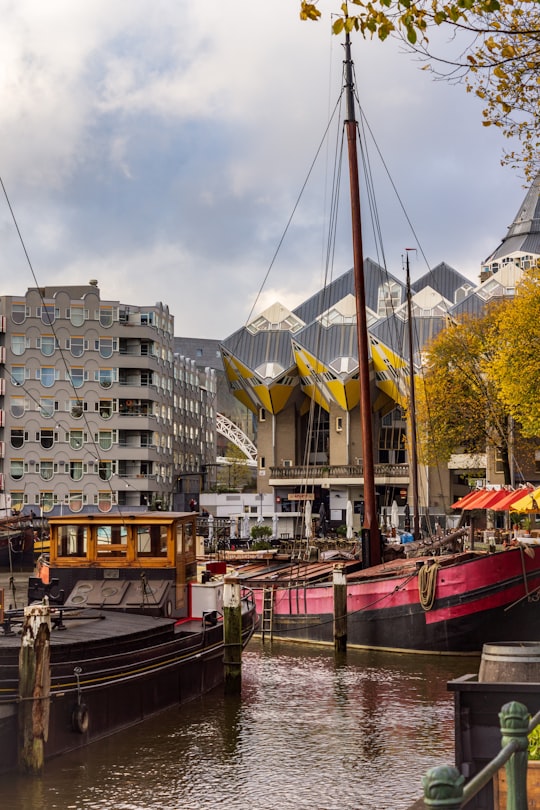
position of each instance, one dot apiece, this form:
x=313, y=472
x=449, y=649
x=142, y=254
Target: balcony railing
x=338, y=471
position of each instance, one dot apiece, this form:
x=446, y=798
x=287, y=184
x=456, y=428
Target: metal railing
x=339, y=471
x=444, y=785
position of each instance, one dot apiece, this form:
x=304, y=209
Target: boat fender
x=79, y=718
x=168, y=608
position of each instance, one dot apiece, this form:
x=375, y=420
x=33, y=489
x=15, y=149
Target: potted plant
x=533, y=775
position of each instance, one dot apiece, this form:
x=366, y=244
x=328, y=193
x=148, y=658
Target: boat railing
x=338, y=471
x=444, y=784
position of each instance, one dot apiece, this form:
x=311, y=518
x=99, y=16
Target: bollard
x=340, y=608
x=232, y=635
x=443, y=787
x=34, y=688
x=514, y=720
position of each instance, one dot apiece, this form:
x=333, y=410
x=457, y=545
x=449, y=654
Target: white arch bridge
x=234, y=434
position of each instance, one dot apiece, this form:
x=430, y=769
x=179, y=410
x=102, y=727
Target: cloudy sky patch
x=161, y=148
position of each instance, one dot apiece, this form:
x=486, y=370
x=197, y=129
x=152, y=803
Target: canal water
x=307, y=732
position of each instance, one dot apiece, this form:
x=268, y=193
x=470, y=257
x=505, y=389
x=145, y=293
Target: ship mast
x=371, y=543
x=412, y=409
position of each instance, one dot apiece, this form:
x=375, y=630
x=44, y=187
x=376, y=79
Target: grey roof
x=393, y=333
x=472, y=305
x=443, y=279
x=524, y=232
x=374, y=276
x=204, y=351
x=264, y=347
x=329, y=343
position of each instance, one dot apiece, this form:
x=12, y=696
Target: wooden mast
x=412, y=409
x=371, y=545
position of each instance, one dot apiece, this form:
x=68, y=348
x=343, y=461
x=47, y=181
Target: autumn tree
x=515, y=365
x=459, y=407
x=493, y=48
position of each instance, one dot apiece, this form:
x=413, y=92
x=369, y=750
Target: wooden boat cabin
x=143, y=563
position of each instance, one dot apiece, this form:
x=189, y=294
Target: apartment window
x=47, y=407
x=104, y=501
x=106, y=347
x=77, y=408
x=46, y=438
x=16, y=468
x=47, y=375
x=47, y=469
x=17, y=407
x=77, y=376
x=76, y=439
x=106, y=316
x=18, y=500
x=105, y=408
x=105, y=439
x=262, y=415
x=77, y=315
x=18, y=437
x=19, y=312
x=76, y=501
x=47, y=344
x=106, y=470
x=18, y=375
x=105, y=377
x=46, y=501
x=392, y=445
x=76, y=470
x=76, y=346
x=389, y=298
x=19, y=344
x=47, y=313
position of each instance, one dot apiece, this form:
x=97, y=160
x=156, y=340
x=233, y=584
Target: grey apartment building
x=96, y=409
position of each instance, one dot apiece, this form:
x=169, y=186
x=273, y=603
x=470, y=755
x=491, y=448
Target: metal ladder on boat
x=267, y=612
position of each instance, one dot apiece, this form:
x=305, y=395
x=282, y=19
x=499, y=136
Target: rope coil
x=427, y=584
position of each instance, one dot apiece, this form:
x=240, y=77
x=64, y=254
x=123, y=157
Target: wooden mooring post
x=340, y=608
x=232, y=634
x=34, y=688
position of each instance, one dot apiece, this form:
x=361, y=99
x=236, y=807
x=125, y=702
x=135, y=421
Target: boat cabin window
x=184, y=538
x=111, y=541
x=72, y=541
x=151, y=541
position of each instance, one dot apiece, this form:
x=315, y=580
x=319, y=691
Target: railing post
x=443, y=787
x=514, y=720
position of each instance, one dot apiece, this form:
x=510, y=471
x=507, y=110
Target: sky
x=161, y=148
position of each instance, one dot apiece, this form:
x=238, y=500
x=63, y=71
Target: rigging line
x=289, y=221
x=96, y=457
x=51, y=325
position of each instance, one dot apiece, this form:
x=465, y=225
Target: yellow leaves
x=501, y=65
x=508, y=51
x=309, y=11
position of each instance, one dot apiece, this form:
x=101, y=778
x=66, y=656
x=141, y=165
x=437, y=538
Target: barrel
x=510, y=662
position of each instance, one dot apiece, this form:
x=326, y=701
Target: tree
x=493, y=49
x=516, y=361
x=459, y=406
x=236, y=475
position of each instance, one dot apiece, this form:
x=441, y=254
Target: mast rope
x=427, y=584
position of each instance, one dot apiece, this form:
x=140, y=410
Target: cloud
x=170, y=142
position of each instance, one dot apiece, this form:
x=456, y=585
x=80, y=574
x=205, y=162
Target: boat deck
x=95, y=625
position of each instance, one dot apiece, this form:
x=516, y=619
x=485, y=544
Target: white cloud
x=170, y=141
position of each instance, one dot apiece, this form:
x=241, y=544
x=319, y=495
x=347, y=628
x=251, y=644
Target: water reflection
x=309, y=731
